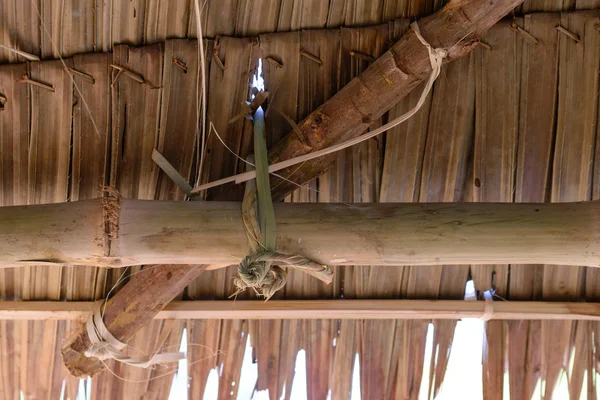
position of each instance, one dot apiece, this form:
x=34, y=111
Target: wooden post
x=171, y=232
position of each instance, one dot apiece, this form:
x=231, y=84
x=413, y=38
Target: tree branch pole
x=212, y=233
x=456, y=28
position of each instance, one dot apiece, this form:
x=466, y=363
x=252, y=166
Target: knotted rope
x=436, y=56
x=105, y=346
x=264, y=272
x=261, y=269
x=264, y=268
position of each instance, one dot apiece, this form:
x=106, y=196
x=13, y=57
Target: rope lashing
x=256, y=270
x=105, y=346
x=436, y=56
x=254, y=273
x=264, y=269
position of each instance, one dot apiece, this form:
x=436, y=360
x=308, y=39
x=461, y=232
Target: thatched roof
x=516, y=122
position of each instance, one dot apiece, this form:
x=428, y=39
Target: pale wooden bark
x=171, y=232
x=318, y=309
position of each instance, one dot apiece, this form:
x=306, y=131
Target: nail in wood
x=136, y=77
x=35, y=83
x=274, y=62
x=83, y=75
x=524, y=33
x=485, y=46
x=362, y=56
x=311, y=57
x=180, y=64
x=568, y=33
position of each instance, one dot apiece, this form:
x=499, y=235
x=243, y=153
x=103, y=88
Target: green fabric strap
x=266, y=212
x=264, y=269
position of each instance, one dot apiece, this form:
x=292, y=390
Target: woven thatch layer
x=514, y=123
x=67, y=27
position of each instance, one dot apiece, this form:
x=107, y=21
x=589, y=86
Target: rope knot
x=264, y=268
x=441, y=53
x=257, y=272
x=265, y=271
x=436, y=55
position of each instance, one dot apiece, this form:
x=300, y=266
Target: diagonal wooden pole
x=129, y=310
x=456, y=28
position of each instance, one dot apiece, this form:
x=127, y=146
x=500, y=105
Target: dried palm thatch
x=541, y=147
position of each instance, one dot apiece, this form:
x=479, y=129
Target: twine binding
x=104, y=346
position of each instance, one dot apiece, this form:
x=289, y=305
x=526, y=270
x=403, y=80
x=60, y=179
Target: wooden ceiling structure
x=513, y=121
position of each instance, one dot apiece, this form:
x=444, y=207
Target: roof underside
x=514, y=123
x=75, y=26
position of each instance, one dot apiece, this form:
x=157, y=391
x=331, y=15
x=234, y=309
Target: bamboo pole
x=319, y=309
x=169, y=232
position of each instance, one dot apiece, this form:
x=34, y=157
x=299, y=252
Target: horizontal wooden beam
x=112, y=233
x=320, y=309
